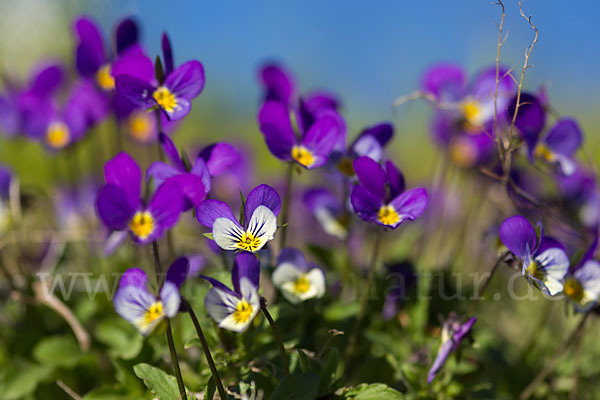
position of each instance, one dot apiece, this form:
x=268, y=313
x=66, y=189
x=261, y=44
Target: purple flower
x=194, y=181
x=453, y=333
x=582, y=282
x=403, y=277
x=530, y=120
x=328, y=211
x=16, y=102
x=313, y=146
x=143, y=310
x=235, y=309
x=6, y=179
x=297, y=279
x=278, y=84
x=121, y=209
x=260, y=220
x=380, y=197
x=560, y=145
x=173, y=96
x=581, y=195
x=544, y=261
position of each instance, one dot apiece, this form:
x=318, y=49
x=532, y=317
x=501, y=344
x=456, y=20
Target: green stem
x=175, y=361
x=209, y=359
x=282, y=353
x=161, y=157
x=287, y=197
x=481, y=290
x=172, y=350
x=365, y=296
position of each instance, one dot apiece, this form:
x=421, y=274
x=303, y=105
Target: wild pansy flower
x=260, y=220
x=172, y=96
x=121, y=209
x=329, y=212
x=235, y=309
x=581, y=196
x=582, y=283
x=560, y=145
x=17, y=102
x=180, y=173
x=311, y=149
x=93, y=61
x=142, y=309
x=453, y=333
x=379, y=197
x=544, y=261
x=297, y=279
x=530, y=120
x=403, y=277
x=370, y=142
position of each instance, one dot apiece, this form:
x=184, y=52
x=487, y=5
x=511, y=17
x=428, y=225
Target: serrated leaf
x=373, y=391
x=163, y=385
x=58, y=351
x=297, y=387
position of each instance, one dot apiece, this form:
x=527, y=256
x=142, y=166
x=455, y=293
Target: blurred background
x=367, y=53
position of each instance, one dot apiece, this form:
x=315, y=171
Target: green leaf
x=341, y=311
x=22, y=378
x=304, y=360
x=107, y=393
x=58, y=351
x=122, y=338
x=242, y=207
x=209, y=393
x=159, y=71
x=332, y=371
x=297, y=387
x=208, y=235
x=373, y=391
x=163, y=385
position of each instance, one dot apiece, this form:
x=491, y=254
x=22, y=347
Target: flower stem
x=282, y=353
x=481, y=289
x=365, y=296
x=287, y=197
x=560, y=350
x=175, y=361
x=158, y=271
x=209, y=359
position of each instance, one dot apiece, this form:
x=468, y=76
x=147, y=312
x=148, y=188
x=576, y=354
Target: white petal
x=553, y=286
x=219, y=304
x=262, y=225
x=316, y=287
x=231, y=324
x=317, y=280
x=169, y=295
x=249, y=291
x=131, y=302
x=227, y=233
x=285, y=272
x=554, y=262
x=589, y=277
x=330, y=224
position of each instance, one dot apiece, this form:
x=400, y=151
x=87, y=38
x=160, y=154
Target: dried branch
x=422, y=94
x=68, y=390
x=500, y=42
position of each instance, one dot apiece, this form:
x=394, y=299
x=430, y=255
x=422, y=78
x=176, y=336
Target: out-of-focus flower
x=560, y=145
x=453, y=333
x=17, y=102
x=530, y=121
x=235, y=309
x=581, y=196
x=311, y=149
x=172, y=96
x=260, y=220
x=582, y=283
x=6, y=179
x=121, y=208
x=297, y=279
x=328, y=211
x=544, y=261
x=380, y=197
x=403, y=277
x=143, y=310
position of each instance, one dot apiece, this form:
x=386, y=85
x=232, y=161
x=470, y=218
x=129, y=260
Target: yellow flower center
x=302, y=156
x=104, y=78
x=470, y=110
x=542, y=151
x=534, y=270
x=346, y=167
x=153, y=313
x=165, y=99
x=301, y=285
x=248, y=242
x=58, y=135
x=242, y=312
x=139, y=125
x=387, y=215
x=573, y=289
x=142, y=224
